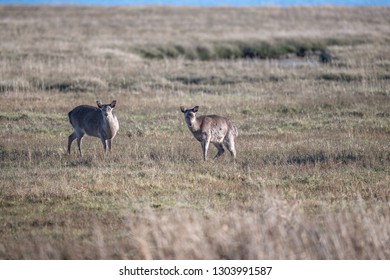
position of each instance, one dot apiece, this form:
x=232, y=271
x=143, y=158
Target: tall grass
x=312, y=174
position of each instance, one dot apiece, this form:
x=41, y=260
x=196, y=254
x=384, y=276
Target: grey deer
x=97, y=121
x=211, y=129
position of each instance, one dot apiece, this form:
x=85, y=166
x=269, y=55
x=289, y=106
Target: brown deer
x=211, y=129
x=97, y=121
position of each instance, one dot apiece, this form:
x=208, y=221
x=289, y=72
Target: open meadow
x=307, y=87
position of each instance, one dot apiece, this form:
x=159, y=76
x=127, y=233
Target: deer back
x=86, y=118
x=213, y=126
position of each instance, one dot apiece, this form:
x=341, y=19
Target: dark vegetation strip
x=242, y=50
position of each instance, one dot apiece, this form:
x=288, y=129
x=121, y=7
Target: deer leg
x=205, y=147
x=109, y=144
x=220, y=148
x=79, y=138
x=70, y=140
x=104, y=142
x=229, y=144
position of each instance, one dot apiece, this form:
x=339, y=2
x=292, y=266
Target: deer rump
x=215, y=127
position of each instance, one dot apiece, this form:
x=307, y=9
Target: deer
x=213, y=129
x=97, y=121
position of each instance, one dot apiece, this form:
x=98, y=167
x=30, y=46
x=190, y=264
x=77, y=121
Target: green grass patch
x=340, y=77
x=275, y=49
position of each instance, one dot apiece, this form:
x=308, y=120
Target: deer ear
x=99, y=104
x=113, y=104
x=183, y=109
x=195, y=109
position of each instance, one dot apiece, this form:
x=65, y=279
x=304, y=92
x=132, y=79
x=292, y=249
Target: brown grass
x=312, y=173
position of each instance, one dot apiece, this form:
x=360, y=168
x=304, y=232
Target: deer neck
x=193, y=124
x=110, y=124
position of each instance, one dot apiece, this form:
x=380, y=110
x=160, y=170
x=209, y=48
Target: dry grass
x=312, y=174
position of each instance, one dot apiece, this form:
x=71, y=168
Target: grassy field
x=308, y=89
